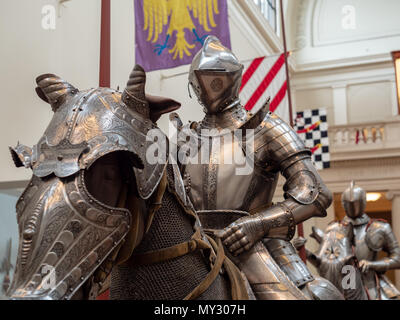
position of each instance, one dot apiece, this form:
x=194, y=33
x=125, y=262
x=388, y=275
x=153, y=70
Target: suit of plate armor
x=243, y=201
x=371, y=237
x=93, y=199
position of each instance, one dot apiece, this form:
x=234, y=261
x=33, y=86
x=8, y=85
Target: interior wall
x=71, y=50
x=369, y=101
x=344, y=47
x=325, y=33
x=314, y=99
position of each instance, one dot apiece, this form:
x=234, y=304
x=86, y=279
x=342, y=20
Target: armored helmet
x=354, y=201
x=215, y=76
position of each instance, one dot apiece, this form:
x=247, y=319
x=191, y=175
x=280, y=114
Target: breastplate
x=238, y=184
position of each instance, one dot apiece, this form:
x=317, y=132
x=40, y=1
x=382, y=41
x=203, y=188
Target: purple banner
x=168, y=33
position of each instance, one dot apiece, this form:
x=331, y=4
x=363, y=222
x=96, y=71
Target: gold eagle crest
x=176, y=13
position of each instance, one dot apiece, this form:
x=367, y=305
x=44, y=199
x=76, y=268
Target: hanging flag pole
x=300, y=230
x=286, y=53
x=104, y=67
x=105, y=38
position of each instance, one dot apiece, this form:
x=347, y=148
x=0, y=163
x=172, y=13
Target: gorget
x=363, y=219
x=230, y=119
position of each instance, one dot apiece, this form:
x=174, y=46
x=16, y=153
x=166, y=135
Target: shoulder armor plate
x=375, y=235
x=256, y=119
x=274, y=138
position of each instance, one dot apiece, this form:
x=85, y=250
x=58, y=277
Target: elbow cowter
x=325, y=197
x=306, y=196
x=305, y=186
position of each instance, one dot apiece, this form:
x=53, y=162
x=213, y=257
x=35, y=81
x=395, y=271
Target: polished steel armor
x=215, y=76
x=370, y=237
x=354, y=201
x=335, y=259
x=90, y=208
x=356, y=241
x=65, y=232
x=86, y=126
x=262, y=146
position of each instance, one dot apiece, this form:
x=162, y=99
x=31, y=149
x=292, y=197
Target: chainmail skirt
x=172, y=279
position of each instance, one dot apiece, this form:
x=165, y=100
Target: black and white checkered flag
x=312, y=127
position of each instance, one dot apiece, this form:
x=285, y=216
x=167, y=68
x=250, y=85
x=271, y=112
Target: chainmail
x=172, y=279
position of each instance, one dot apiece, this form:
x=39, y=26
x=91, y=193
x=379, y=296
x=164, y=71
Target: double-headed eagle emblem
x=176, y=14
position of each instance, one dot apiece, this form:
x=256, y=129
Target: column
x=394, y=196
x=340, y=104
x=395, y=107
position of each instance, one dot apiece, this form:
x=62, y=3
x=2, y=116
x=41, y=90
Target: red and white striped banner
x=265, y=77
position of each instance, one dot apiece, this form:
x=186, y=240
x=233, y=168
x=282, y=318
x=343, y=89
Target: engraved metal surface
x=175, y=180
x=91, y=124
x=302, y=186
x=266, y=278
x=370, y=237
x=256, y=190
x=322, y=289
x=231, y=118
x=288, y=260
x=211, y=182
x=65, y=234
x=206, y=178
x=275, y=140
x=62, y=159
x=21, y=155
x=65, y=230
x=334, y=252
x=54, y=90
x=356, y=242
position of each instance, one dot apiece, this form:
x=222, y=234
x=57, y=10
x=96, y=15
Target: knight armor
x=231, y=161
x=335, y=258
x=56, y=211
x=370, y=237
x=98, y=207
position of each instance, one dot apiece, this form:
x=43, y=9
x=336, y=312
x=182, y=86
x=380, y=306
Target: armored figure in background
x=335, y=259
x=356, y=241
x=236, y=199
x=370, y=237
